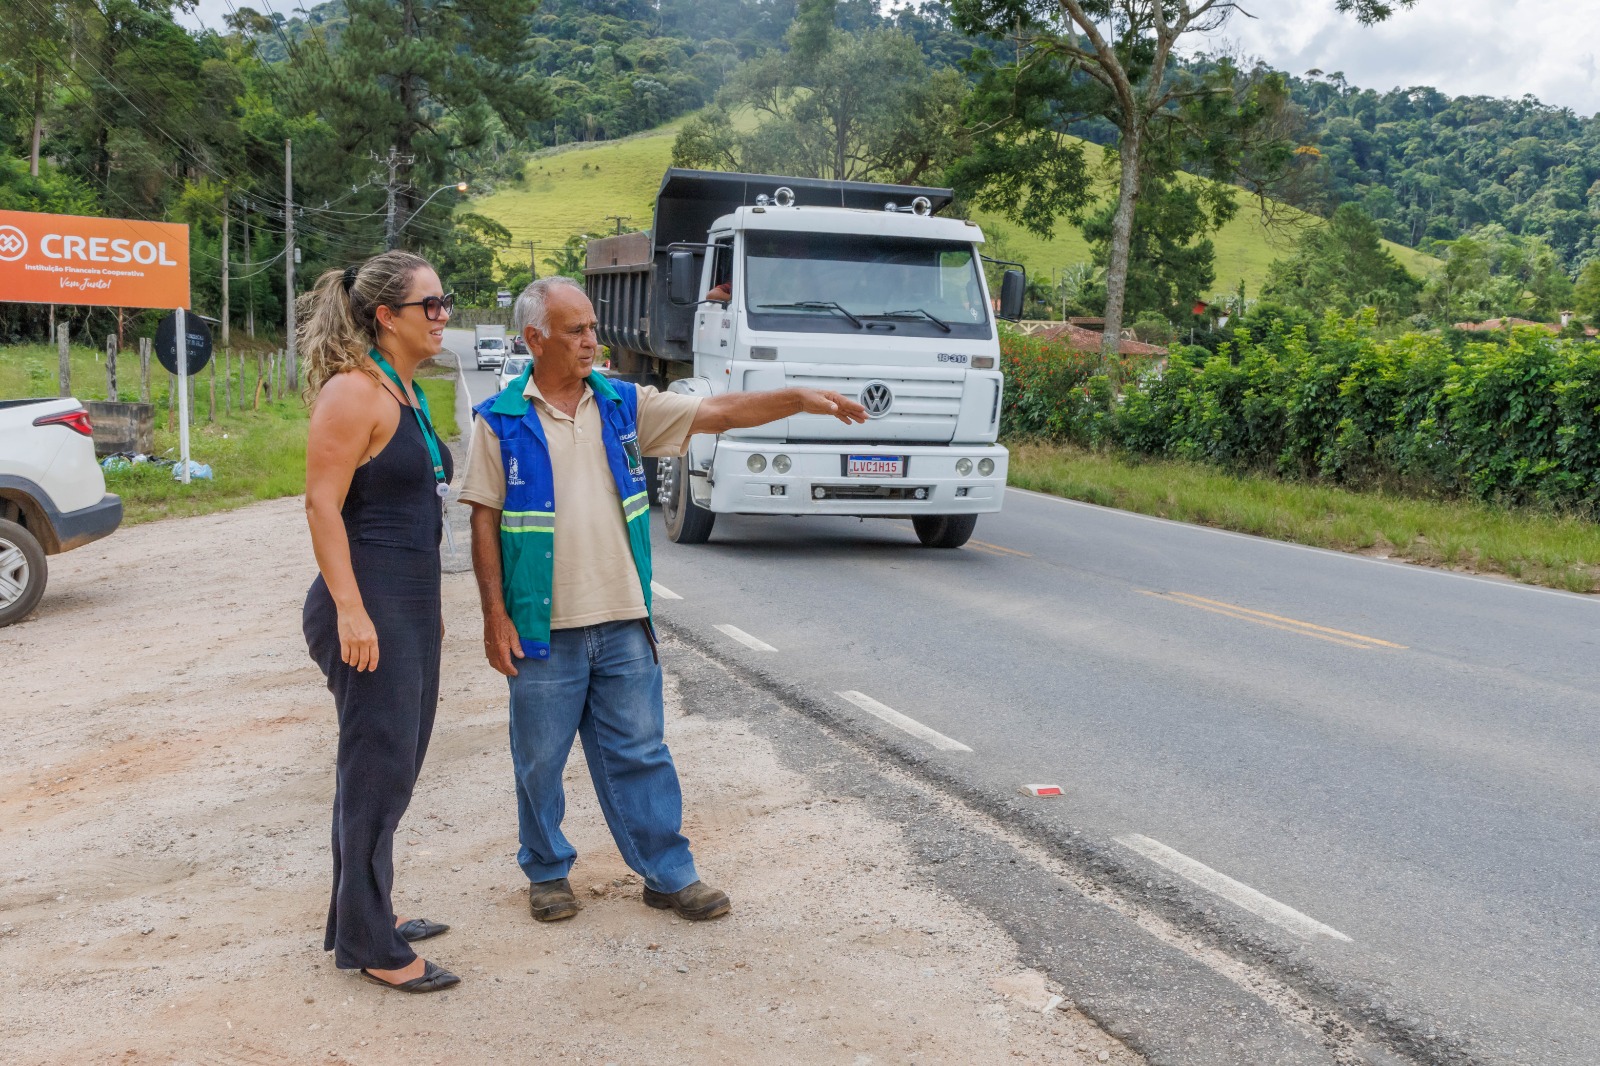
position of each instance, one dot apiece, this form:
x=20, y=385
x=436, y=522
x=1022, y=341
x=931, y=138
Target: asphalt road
x=1376, y=781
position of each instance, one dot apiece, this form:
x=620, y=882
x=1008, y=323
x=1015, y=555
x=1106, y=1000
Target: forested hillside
x=1429, y=167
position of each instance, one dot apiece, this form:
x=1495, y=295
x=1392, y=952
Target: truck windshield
x=800, y=282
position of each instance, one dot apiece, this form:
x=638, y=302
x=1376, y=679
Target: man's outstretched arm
x=738, y=410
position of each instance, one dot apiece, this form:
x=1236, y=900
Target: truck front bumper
x=815, y=482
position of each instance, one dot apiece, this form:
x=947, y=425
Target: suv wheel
x=23, y=572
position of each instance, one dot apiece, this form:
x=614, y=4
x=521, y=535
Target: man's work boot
x=696, y=902
x=551, y=901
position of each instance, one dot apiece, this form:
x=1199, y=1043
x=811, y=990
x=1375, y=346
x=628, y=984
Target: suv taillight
x=75, y=420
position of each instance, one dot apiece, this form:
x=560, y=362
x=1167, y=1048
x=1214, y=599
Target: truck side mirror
x=1012, y=287
x=681, y=278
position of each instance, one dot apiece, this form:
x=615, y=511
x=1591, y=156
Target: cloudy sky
x=1549, y=48
x=1494, y=47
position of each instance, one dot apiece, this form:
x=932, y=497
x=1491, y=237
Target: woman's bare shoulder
x=350, y=388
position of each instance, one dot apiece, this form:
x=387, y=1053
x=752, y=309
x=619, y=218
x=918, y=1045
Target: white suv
x=52, y=495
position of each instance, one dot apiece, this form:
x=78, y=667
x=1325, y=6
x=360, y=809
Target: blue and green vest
x=528, y=516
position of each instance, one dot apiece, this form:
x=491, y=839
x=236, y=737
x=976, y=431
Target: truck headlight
x=781, y=464
x=985, y=467
x=963, y=467
x=756, y=463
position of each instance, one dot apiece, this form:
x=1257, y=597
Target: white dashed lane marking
x=1237, y=893
x=900, y=721
x=663, y=592
x=745, y=638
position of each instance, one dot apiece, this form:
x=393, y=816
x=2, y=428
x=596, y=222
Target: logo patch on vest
x=630, y=446
x=513, y=477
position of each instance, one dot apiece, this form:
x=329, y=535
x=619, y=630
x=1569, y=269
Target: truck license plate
x=875, y=466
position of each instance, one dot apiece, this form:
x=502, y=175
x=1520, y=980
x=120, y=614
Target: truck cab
x=851, y=287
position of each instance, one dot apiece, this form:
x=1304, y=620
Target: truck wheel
x=23, y=572
x=944, y=531
x=652, y=480
x=687, y=522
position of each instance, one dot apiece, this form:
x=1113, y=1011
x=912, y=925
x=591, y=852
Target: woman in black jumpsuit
x=372, y=618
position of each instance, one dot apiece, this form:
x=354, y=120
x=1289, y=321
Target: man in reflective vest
x=561, y=549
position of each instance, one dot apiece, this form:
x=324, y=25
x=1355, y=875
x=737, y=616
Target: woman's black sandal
x=420, y=929
x=433, y=979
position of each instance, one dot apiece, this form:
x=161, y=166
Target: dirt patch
x=164, y=800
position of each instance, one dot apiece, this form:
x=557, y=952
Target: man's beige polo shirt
x=595, y=579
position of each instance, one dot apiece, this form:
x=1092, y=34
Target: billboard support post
x=183, y=397
x=64, y=355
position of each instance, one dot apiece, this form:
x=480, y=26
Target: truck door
x=713, y=334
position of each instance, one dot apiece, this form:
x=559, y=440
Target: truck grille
x=925, y=405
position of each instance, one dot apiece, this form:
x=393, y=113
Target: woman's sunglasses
x=434, y=307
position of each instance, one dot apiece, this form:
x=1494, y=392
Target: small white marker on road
x=900, y=721
x=664, y=592
x=1235, y=892
x=745, y=638
x=1042, y=790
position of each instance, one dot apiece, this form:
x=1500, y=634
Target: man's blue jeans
x=602, y=683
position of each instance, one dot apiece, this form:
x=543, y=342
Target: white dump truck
x=751, y=282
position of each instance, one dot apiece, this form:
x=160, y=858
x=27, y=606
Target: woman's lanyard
x=424, y=422
x=429, y=437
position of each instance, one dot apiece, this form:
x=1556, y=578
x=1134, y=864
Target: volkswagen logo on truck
x=876, y=398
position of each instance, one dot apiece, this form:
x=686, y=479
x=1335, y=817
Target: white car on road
x=53, y=495
x=490, y=352
x=511, y=370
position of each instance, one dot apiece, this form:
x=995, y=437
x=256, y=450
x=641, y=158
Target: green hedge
x=1514, y=420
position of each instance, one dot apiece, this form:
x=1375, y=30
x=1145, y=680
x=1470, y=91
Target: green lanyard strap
x=424, y=421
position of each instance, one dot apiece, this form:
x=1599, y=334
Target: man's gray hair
x=531, y=307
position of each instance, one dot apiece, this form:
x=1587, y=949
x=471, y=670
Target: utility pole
x=619, y=220
x=288, y=254
x=226, y=195
x=533, y=262
x=394, y=161
x=250, y=292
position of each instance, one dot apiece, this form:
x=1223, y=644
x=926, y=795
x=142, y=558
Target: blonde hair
x=338, y=318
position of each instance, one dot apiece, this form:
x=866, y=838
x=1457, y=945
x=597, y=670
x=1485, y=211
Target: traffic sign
x=199, y=343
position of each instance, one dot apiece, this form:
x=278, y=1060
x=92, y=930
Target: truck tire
x=687, y=522
x=23, y=572
x=652, y=480
x=944, y=531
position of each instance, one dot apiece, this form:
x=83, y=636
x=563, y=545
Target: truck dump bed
x=626, y=275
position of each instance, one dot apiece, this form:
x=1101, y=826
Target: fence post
x=111, y=367
x=259, y=382
x=211, y=410
x=227, y=382
x=65, y=356
x=144, y=369
x=172, y=398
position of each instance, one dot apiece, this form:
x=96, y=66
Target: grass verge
x=255, y=453
x=1540, y=549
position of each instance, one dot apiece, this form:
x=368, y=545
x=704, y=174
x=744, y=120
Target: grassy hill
x=572, y=189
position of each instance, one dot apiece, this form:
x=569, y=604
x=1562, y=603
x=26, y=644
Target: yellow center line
x=1293, y=621
x=997, y=548
x=1272, y=621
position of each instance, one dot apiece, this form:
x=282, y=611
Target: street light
x=459, y=186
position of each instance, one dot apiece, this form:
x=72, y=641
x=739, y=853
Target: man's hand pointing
x=821, y=402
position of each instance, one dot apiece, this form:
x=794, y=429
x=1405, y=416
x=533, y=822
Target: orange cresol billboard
x=109, y=262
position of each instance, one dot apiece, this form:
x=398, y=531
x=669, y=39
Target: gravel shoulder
x=164, y=797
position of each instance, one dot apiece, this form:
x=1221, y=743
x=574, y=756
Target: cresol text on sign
x=109, y=262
